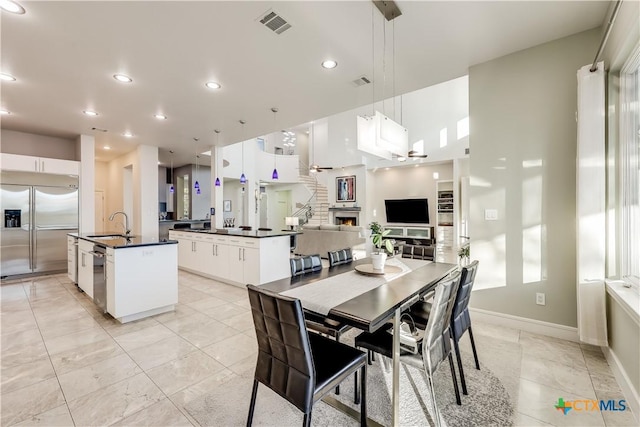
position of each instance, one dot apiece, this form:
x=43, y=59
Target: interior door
x=15, y=240
x=55, y=215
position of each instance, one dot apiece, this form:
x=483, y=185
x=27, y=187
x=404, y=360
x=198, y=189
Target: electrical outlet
x=540, y=298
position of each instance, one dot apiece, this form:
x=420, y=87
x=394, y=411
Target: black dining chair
x=322, y=325
x=341, y=256
x=305, y=264
x=436, y=344
x=299, y=366
x=460, y=319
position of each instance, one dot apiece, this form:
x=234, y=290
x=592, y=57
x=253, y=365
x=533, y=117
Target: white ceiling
x=64, y=55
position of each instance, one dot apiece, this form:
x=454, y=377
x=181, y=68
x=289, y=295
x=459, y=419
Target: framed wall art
x=346, y=188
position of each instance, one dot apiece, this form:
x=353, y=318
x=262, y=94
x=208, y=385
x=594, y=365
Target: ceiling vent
x=274, y=22
x=361, y=81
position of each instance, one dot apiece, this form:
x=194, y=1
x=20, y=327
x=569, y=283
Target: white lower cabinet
x=85, y=267
x=72, y=258
x=232, y=259
x=141, y=281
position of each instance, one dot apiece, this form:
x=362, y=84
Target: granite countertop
x=234, y=232
x=184, y=220
x=115, y=240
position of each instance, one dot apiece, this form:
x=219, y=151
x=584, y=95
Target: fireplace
x=346, y=220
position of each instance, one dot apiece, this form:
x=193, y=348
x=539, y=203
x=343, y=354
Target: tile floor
x=65, y=363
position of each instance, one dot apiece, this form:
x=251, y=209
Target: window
x=629, y=170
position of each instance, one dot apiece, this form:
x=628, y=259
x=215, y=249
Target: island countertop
x=116, y=240
x=257, y=234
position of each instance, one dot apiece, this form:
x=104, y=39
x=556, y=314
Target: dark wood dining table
x=373, y=309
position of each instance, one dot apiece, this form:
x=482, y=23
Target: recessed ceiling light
x=90, y=113
x=106, y=147
x=127, y=134
x=329, y=64
x=160, y=116
x=11, y=6
x=7, y=77
x=213, y=85
x=122, y=78
x=5, y=112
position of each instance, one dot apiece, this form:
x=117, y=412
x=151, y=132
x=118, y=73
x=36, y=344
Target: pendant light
x=243, y=179
x=217, y=131
x=274, y=175
x=171, y=189
x=196, y=184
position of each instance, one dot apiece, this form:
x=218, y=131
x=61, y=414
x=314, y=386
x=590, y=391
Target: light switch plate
x=491, y=214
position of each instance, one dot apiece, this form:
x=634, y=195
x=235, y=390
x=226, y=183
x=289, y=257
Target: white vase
x=378, y=260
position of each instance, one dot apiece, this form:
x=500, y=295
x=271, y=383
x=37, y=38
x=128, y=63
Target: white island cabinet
x=239, y=258
x=141, y=281
x=129, y=277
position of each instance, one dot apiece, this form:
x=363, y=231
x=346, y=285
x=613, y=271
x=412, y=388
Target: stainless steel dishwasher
x=99, y=277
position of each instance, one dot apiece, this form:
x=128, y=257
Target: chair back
x=460, y=320
x=436, y=345
x=285, y=361
x=305, y=264
x=341, y=256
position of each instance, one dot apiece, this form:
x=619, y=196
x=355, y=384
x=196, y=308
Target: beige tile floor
x=65, y=363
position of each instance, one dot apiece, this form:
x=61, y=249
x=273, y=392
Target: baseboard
x=630, y=394
x=529, y=325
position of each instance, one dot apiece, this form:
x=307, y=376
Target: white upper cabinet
x=17, y=162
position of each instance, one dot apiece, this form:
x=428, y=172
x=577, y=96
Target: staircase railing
x=306, y=211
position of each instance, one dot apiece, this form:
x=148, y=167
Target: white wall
x=30, y=144
x=408, y=182
x=425, y=113
x=523, y=152
x=138, y=194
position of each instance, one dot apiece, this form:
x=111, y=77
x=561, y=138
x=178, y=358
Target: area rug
x=488, y=402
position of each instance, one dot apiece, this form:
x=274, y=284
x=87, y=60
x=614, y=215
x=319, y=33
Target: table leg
x=395, y=395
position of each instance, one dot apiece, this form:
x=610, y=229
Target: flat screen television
x=410, y=211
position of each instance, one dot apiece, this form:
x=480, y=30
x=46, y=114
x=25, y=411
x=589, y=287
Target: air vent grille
x=361, y=81
x=274, y=22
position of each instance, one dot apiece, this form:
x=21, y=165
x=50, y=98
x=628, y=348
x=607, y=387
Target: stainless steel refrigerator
x=38, y=211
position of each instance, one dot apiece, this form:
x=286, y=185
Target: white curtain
x=591, y=205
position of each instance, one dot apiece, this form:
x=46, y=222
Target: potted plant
x=379, y=256
x=463, y=254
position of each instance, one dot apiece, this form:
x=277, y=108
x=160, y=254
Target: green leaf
x=389, y=246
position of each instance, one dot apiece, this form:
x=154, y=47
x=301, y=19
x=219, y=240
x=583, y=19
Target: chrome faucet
x=127, y=231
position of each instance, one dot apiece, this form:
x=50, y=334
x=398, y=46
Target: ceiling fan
x=417, y=154
x=314, y=167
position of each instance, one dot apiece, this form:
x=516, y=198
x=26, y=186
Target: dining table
x=366, y=301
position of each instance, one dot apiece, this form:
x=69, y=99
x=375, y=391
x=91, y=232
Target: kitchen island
x=129, y=277
x=234, y=256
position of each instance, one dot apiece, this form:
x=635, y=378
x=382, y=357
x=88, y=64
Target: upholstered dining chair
x=341, y=256
x=460, y=319
x=305, y=264
x=322, y=325
x=299, y=366
x=436, y=344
